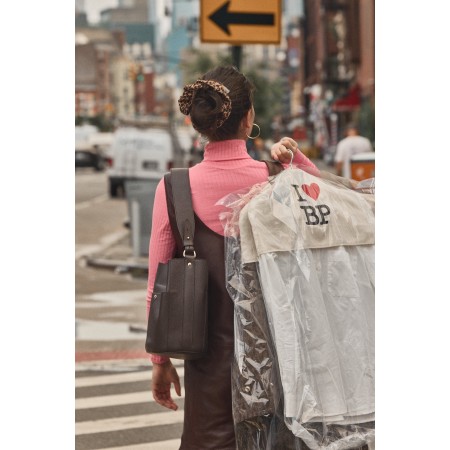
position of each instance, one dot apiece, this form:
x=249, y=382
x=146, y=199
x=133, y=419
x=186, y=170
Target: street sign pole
x=236, y=55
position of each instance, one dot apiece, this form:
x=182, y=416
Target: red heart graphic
x=312, y=190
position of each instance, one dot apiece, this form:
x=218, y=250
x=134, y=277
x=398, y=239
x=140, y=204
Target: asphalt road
x=89, y=185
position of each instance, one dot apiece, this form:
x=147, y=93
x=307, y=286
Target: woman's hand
x=163, y=376
x=280, y=150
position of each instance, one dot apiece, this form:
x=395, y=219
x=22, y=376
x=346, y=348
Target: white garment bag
x=311, y=240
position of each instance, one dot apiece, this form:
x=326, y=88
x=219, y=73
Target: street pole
x=236, y=55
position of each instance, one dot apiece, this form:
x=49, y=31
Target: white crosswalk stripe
x=119, y=399
x=103, y=417
x=118, y=378
x=172, y=444
x=125, y=423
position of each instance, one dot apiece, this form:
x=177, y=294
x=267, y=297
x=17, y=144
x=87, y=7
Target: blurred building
x=79, y=6
x=81, y=19
x=102, y=78
x=160, y=18
x=123, y=91
x=132, y=18
x=183, y=34
x=143, y=21
x=339, y=71
x=80, y=14
x=145, y=25
x=292, y=70
x=133, y=11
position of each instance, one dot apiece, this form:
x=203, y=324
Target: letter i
x=300, y=198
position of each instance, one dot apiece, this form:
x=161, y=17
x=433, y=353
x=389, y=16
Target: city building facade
x=95, y=49
x=339, y=68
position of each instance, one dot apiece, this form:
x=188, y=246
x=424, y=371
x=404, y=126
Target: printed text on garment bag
x=312, y=213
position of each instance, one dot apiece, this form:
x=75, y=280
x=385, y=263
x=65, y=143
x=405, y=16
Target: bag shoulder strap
x=179, y=207
x=274, y=167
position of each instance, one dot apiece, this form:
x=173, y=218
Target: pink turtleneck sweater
x=226, y=168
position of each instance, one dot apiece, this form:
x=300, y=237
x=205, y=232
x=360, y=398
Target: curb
x=106, y=258
x=108, y=242
x=116, y=264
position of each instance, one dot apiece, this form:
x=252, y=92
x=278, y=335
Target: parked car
x=138, y=154
x=90, y=156
x=91, y=147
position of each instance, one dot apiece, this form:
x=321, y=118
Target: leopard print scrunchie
x=185, y=101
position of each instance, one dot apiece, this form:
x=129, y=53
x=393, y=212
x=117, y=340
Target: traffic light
x=132, y=73
x=139, y=73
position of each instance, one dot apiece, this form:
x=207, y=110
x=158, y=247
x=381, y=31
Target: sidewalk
x=119, y=255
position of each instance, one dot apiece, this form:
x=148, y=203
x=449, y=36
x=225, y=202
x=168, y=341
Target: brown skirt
x=208, y=420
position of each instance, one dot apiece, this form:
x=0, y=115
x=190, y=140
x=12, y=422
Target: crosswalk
x=114, y=408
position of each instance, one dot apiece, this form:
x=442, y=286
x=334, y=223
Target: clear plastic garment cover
x=300, y=271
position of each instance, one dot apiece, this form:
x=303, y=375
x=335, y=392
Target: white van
x=138, y=154
x=185, y=138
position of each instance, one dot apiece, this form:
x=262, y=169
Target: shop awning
x=350, y=102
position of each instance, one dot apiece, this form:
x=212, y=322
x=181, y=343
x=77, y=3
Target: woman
x=220, y=105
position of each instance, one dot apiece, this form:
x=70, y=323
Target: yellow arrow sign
x=240, y=21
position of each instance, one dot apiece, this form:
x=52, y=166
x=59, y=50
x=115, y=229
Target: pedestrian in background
x=220, y=105
x=351, y=145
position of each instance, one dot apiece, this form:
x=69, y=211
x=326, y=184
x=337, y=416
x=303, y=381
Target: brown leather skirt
x=208, y=420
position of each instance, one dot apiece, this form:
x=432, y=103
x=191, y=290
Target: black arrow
x=222, y=18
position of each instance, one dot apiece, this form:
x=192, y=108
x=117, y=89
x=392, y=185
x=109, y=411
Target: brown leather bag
x=177, y=323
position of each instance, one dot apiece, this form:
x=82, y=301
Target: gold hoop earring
x=259, y=131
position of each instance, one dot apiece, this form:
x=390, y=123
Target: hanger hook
x=292, y=157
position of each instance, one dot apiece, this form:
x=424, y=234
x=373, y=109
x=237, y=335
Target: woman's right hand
x=163, y=376
x=281, y=150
